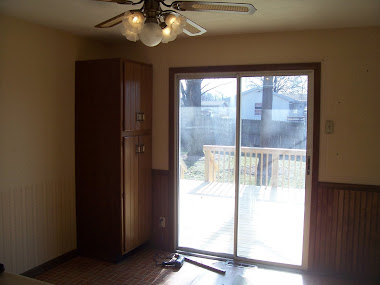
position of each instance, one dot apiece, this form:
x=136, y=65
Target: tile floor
x=140, y=269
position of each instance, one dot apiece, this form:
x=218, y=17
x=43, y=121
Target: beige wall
x=37, y=198
x=350, y=59
x=37, y=192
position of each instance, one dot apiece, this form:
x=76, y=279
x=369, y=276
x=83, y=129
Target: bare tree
x=296, y=84
x=266, y=128
x=192, y=93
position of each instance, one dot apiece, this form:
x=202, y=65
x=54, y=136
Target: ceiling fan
x=152, y=24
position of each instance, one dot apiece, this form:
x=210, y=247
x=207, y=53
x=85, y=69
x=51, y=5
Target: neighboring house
x=286, y=107
x=214, y=108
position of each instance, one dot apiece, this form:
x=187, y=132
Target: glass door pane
x=206, y=160
x=272, y=168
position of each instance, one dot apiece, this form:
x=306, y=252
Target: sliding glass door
x=243, y=157
x=206, y=195
x=272, y=168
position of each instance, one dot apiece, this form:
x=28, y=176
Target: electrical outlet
x=162, y=222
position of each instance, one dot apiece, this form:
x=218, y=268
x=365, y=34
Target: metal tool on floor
x=209, y=267
x=176, y=261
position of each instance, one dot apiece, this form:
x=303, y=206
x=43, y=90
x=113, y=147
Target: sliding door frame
x=228, y=70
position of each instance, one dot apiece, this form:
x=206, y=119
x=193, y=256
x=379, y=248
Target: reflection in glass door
x=272, y=168
x=242, y=158
x=206, y=190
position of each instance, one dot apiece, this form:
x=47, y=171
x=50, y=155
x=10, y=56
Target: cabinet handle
x=140, y=116
x=140, y=148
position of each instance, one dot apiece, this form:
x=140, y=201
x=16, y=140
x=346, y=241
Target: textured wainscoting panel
x=345, y=226
x=161, y=237
x=347, y=230
x=37, y=223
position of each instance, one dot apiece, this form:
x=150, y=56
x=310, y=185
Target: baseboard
x=50, y=264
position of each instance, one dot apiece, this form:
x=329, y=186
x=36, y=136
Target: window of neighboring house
x=258, y=108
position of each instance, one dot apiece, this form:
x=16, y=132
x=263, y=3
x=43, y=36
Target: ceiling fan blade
x=111, y=22
x=126, y=2
x=223, y=7
x=192, y=29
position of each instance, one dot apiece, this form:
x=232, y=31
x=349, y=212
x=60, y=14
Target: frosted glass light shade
x=130, y=35
x=168, y=35
x=175, y=22
x=151, y=34
x=170, y=19
x=133, y=21
x=178, y=24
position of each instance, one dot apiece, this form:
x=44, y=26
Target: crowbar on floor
x=209, y=267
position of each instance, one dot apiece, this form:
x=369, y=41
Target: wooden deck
x=270, y=220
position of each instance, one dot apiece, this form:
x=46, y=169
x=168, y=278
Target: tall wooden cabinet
x=113, y=156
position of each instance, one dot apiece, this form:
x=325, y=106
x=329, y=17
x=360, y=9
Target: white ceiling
x=80, y=16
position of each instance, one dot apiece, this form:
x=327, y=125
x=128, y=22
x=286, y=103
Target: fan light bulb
x=133, y=21
x=168, y=35
x=166, y=32
x=170, y=19
x=176, y=23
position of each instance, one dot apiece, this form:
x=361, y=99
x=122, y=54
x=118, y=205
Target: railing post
x=183, y=167
x=207, y=153
x=275, y=158
x=262, y=172
x=213, y=168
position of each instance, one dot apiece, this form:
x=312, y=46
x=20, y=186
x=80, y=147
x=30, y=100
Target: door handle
x=308, y=166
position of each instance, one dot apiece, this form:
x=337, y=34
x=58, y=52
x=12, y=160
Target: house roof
x=287, y=96
x=214, y=103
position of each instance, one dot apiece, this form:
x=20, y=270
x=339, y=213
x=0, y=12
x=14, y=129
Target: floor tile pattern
x=140, y=269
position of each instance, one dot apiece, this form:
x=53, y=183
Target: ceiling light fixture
x=153, y=25
x=152, y=30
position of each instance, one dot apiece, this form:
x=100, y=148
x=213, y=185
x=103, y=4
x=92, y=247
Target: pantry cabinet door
x=137, y=96
x=145, y=188
x=131, y=194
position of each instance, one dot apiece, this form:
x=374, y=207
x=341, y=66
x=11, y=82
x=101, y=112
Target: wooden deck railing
x=274, y=167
